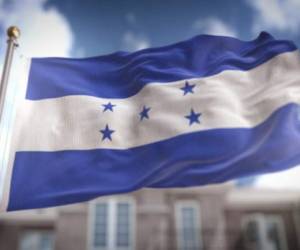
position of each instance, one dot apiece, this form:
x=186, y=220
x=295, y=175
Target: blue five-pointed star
x=144, y=113
x=108, y=106
x=188, y=88
x=106, y=133
x=193, y=117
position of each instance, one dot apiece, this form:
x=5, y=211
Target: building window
x=112, y=223
x=188, y=226
x=100, y=225
x=123, y=225
x=37, y=240
x=264, y=232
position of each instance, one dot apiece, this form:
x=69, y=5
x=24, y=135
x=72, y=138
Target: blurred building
x=211, y=218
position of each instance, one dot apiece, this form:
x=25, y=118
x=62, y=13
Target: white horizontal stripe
x=228, y=100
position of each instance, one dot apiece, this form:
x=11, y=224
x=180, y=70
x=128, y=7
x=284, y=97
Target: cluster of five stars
x=193, y=117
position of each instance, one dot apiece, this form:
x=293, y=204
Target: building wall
x=71, y=228
x=11, y=232
x=155, y=220
x=9, y=236
x=155, y=227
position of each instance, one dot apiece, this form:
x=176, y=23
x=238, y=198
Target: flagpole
x=13, y=34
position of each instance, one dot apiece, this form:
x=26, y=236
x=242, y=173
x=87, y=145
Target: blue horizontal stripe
x=123, y=74
x=42, y=179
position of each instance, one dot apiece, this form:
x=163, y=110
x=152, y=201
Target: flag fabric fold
x=202, y=111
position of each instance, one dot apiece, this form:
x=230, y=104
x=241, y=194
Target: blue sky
x=105, y=26
x=92, y=27
x=82, y=28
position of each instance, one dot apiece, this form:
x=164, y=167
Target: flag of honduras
x=202, y=111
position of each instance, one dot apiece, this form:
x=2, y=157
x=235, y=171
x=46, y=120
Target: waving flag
x=202, y=111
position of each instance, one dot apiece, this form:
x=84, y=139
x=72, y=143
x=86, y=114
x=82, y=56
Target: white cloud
x=214, y=26
x=276, y=15
x=288, y=179
x=43, y=32
x=133, y=41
